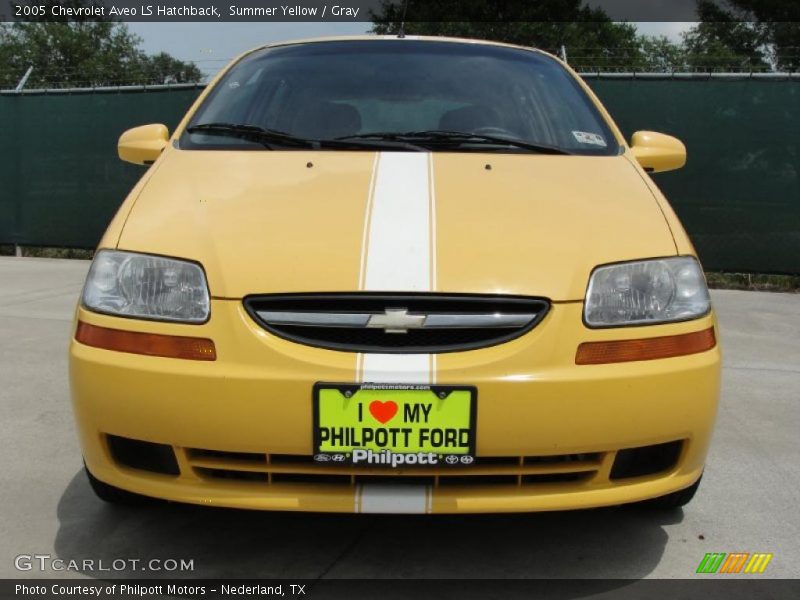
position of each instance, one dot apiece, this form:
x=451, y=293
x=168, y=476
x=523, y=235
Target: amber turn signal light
x=151, y=344
x=598, y=353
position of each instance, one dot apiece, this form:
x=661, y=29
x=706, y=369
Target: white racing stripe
x=396, y=368
x=398, y=252
x=396, y=499
x=398, y=255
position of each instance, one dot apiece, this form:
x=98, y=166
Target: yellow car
x=396, y=275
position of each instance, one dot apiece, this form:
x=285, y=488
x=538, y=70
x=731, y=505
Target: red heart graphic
x=383, y=411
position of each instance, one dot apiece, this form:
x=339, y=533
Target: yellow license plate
x=375, y=425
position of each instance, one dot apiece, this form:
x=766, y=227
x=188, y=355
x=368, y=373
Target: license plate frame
x=401, y=394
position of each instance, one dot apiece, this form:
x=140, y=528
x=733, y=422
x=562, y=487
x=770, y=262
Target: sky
x=212, y=45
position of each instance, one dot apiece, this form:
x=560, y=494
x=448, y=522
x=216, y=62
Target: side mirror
x=657, y=152
x=143, y=145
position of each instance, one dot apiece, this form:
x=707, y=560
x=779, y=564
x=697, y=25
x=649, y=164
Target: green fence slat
x=68, y=181
x=738, y=196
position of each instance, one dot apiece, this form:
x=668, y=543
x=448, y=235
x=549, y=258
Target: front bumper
x=250, y=412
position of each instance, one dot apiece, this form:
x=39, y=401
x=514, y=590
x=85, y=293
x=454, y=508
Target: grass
x=716, y=280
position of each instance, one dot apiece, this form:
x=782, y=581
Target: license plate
x=376, y=425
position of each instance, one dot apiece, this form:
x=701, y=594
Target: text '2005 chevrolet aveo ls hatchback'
x=396, y=275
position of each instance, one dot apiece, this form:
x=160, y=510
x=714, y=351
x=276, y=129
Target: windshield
x=422, y=90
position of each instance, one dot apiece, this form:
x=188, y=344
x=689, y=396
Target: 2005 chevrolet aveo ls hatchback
x=396, y=275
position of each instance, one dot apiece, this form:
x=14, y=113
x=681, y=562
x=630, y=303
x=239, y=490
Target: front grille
x=488, y=471
x=397, y=323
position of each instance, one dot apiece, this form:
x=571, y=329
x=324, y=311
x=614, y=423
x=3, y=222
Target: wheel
x=115, y=495
x=675, y=499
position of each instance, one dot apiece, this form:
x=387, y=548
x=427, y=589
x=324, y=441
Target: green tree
x=777, y=23
x=661, y=55
x=165, y=68
x=71, y=53
x=723, y=41
x=746, y=35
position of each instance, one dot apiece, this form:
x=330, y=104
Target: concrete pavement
x=748, y=500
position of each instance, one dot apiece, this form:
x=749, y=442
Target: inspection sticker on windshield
x=394, y=426
x=584, y=137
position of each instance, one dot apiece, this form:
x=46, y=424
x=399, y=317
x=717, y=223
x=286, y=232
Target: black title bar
x=393, y=10
x=714, y=588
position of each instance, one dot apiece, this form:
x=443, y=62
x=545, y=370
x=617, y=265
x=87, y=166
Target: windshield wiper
x=269, y=137
x=458, y=138
x=252, y=133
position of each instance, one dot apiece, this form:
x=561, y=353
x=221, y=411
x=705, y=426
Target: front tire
x=114, y=495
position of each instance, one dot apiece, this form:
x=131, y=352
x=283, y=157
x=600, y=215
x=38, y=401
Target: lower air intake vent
x=397, y=323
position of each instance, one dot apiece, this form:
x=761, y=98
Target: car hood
x=267, y=222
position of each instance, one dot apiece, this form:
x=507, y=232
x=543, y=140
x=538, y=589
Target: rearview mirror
x=657, y=152
x=143, y=145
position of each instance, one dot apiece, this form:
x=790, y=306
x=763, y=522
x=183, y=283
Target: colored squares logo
x=734, y=562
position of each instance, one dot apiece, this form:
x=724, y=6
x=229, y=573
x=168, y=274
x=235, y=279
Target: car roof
x=419, y=38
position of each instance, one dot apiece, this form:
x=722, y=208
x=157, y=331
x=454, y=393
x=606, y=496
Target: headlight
x=646, y=292
x=146, y=287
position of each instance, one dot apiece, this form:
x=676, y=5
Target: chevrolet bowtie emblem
x=396, y=320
